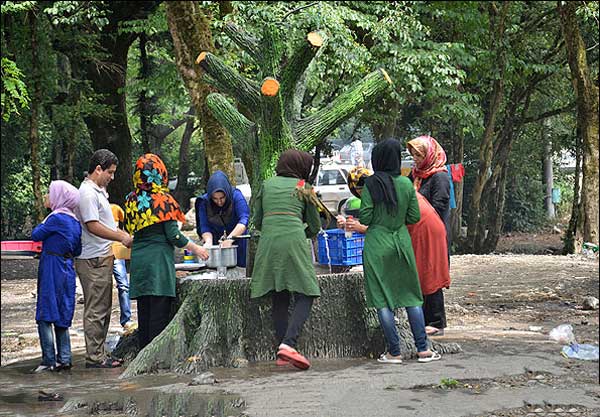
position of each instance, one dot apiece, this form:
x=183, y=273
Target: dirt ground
x=504, y=302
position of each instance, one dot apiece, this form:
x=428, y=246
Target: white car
x=332, y=185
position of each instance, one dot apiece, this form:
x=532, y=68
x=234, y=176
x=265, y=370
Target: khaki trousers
x=95, y=275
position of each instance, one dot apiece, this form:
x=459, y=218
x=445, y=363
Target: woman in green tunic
x=389, y=203
x=286, y=213
x=151, y=216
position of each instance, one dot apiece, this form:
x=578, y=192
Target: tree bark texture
x=34, y=139
x=275, y=121
x=189, y=25
x=586, y=91
x=217, y=324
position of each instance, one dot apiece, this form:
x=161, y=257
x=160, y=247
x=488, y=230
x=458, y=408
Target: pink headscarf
x=63, y=197
x=432, y=155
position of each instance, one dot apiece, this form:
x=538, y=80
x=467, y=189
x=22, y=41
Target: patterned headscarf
x=150, y=202
x=433, y=158
x=356, y=179
x=63, y=198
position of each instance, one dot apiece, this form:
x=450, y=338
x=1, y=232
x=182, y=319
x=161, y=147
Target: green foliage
x=448, y=383
x=14, y=90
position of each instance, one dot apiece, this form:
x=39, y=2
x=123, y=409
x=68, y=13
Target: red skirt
x=429, y=243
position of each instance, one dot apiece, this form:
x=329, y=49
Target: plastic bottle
x=348, y=233
x=585, y=352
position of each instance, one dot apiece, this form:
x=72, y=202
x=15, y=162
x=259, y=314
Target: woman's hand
x=341, y=221
x=227, y=243
x=356, y=226
x=199, y=251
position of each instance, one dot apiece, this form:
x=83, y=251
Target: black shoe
x=49, y=396
x=63, y=367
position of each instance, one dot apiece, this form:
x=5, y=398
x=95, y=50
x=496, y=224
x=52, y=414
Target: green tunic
x=390, y=269
x=283, y=257
x=153, y=260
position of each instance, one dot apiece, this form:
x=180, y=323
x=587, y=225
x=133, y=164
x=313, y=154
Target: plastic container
x=342, y=250
x=584, y=352
x=189, y=257
x=21, y=247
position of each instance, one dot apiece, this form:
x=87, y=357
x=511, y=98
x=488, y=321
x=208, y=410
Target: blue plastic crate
x=342, y=250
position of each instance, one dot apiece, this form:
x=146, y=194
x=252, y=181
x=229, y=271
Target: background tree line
x=504, y=86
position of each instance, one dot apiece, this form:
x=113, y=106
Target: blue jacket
x=61, y=237
x=213, y=219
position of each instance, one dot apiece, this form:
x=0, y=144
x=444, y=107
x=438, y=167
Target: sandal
x=383, y=358
x=50, y=396
x=433, y=357
x=291, y=355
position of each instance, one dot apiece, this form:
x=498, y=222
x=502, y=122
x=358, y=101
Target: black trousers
x=434, y=309
x=288, y=327
x=154, y=313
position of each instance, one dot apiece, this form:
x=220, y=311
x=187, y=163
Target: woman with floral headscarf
x=283, y=265
x=430, y=178
x=151, y=215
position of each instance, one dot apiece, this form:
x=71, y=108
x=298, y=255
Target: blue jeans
x=120, y=273
x=62, y=355
x=417, y=326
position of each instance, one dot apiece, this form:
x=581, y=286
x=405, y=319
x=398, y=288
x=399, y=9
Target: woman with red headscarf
x=430, y=179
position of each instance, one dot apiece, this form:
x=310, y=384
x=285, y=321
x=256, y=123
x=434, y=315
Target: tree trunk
x=182, y=192
x=113, y=133
x=273, y=104
x=586, y=91
x=189, y=25
x=487, y=145
x=576, y=212
x=217, y=325
x=36, y=101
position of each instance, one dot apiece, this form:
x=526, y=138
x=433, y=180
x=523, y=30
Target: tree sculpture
x=276, y=122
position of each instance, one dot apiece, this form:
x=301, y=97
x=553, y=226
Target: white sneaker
x=43, y=368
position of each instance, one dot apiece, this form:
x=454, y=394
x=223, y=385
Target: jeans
x=287, y=329
x=62, y=354
x=120, y=273
x=417, y=326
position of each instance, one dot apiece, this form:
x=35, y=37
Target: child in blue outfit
x=60, y=233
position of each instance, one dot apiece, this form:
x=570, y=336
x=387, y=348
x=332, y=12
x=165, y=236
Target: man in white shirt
x=95, y=264
x=356, y=153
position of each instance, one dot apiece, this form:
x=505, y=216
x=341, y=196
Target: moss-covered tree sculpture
x=217, y=324
x=274, y=106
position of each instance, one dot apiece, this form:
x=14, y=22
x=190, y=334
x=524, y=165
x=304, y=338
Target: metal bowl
x=218, y=256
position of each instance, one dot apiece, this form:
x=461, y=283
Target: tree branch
x=296, y=67
x=240, y=128
x=244, y=40
x=311, y=130
x=229, y=81
x=550, y=113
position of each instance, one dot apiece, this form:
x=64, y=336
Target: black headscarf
x=386, y=159
x=294, y=163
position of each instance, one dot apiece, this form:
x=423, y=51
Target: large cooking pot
x=218, y=256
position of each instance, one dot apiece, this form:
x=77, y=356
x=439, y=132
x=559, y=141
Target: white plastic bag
x=563, y=334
